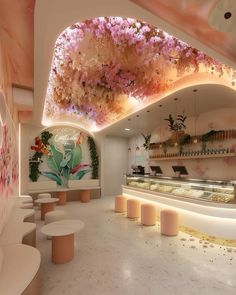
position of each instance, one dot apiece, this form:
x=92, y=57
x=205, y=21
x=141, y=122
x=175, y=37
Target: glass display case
x=205, y=190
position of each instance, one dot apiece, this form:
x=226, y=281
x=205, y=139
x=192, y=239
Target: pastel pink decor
x=148, y=214
x=169, y=222
x=120, y=204
x=85, y=196
x=133, y=208
x=139, y=62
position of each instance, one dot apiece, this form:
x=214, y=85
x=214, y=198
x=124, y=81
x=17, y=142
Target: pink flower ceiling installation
x=103, y=68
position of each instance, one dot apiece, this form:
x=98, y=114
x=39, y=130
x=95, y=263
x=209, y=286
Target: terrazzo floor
x=115, y=255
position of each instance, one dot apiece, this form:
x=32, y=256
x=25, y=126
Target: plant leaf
x=66, y=172
x=80, y=174
x=79, y=167
x=66, y=160
x=53, y=176
x=76, y=156
x=57, y=155
x=52, y=164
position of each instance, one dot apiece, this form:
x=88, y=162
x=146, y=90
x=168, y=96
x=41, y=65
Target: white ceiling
x=208, y=97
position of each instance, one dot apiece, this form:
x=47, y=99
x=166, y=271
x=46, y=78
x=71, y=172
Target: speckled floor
x=115, y=255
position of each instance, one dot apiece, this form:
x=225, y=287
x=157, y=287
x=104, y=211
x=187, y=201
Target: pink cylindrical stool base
x=62, y=198
x=62, y=249
x=148, y=214
x=85, y=196
x=133, y=208
x=169, y=222
x=46, y=207
x=120, y=204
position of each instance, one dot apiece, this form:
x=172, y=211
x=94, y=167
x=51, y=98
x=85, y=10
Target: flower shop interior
x=117, y=147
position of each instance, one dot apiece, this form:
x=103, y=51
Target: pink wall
x=16, y=31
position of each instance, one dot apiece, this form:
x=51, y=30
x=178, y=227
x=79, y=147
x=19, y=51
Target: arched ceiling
x=171, y=74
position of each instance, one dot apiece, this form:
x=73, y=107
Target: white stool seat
x=24, y=199
x=44, y=195
x=25, y=206
x=54, y=216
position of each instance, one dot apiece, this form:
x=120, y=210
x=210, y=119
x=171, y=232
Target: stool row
x=133, y=207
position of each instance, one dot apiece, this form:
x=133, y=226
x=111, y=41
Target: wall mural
x=59, y=155
x=106, y=68
x=8, y=161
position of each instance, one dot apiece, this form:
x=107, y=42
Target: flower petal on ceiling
x=103, y=68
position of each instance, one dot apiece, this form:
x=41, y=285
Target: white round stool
x=54, y=216
x=26, y=206
x=44, y=195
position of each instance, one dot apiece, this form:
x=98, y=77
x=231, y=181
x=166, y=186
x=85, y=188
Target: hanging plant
x=40, y=148
x=94, y=157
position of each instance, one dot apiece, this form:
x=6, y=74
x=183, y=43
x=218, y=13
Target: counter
x=196, y=206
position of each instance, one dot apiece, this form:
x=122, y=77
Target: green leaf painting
x=57, y=156
x=52, y=164
x=76, y=156
x=64, y=159
x=80, y=174
x=53, y=176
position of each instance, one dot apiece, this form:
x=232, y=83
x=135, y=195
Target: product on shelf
x=180, y=192
x=165, y=189
x=154, y=187
x=221, y=198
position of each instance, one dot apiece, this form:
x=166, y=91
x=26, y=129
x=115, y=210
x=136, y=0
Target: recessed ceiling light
x=127, y=129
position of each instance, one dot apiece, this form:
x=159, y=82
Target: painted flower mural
x=103, y=68
x=8, y=164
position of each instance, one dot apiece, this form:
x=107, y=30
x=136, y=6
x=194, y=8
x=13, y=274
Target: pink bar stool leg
x=85, y=196
x=62, y=249
x=62, y=198
x=46, y=207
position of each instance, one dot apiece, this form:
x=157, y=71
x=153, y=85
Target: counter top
x=211, y=181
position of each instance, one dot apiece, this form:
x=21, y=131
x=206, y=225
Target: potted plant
x=176, y=125
x=147, y=139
